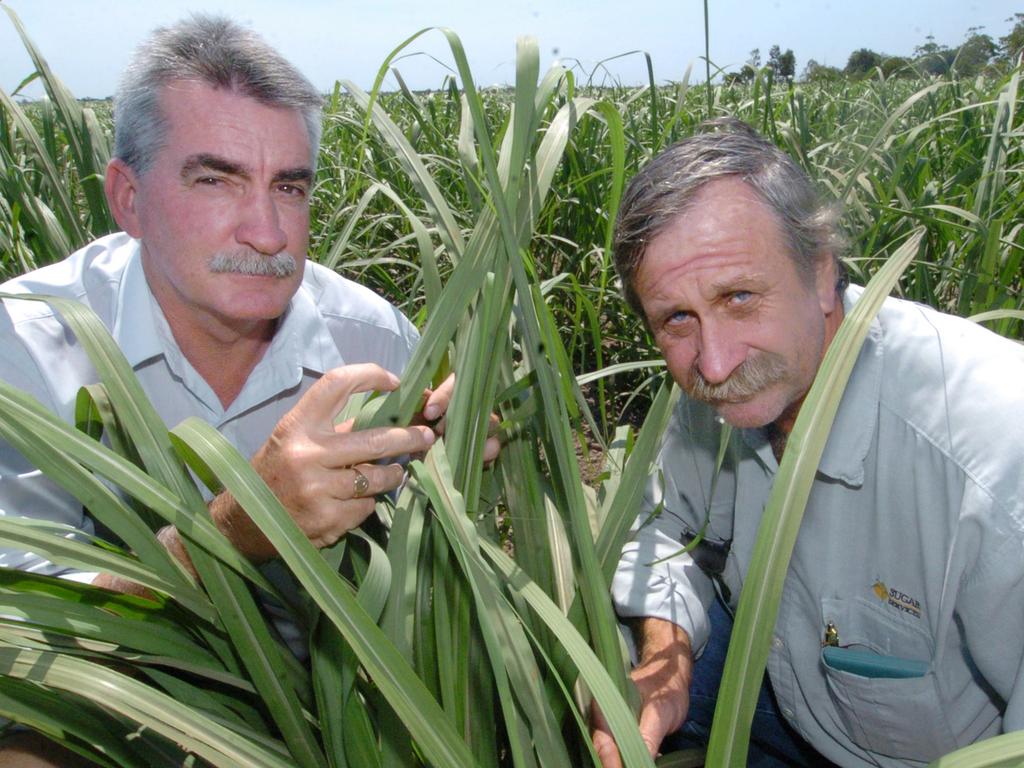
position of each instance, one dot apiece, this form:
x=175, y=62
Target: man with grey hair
x=897, y=638
x=208, y=292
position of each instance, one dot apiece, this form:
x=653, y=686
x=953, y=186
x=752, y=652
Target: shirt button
x=777, y=643
x=787, y=712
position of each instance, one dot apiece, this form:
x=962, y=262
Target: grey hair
x=725, y=147
x=216, y=52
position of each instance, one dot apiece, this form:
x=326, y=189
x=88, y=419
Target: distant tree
x=862, y=61
x=819, y=73
x=1011, y=45
x=898, y=66
x=749, y=70
x=774, y=53
x=787, y=64
x=783, y=65
x=974, y=55
x=932, y=58
x=927, y=48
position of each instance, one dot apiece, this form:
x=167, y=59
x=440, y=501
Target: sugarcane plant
x=468, y=621
x=470, y=624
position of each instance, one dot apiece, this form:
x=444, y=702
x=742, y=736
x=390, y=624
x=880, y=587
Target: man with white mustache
x=208, y=292
x=251, y=263
x=898, y=634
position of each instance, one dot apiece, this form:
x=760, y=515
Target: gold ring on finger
x=361, y=485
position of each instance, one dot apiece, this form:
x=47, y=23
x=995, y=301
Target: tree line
x=978, y=54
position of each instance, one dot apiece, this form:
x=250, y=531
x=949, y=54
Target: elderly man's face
x=223, y=212
x=738, y=326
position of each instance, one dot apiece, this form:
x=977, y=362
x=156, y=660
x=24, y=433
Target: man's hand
x=323, y=474
x=317, y=469
x=663, y=680
x=435, y=409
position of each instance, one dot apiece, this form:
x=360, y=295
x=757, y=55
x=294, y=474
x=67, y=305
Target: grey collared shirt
x=330, y=322
x=912, y=543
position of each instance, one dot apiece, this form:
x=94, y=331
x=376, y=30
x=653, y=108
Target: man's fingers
x=601, y=737
x=653, y=728
x=653, y=732
x=349, y=447
x=438, y=400
x=342, y=499
x=338, y=520
x=607, y=751
x=491, y=449
x=661, y=714
x=367, y=480
x=435, y=413
x=322, y=402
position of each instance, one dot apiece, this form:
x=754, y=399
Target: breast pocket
x=903, y=718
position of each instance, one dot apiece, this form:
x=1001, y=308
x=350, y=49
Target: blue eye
x=679, y=323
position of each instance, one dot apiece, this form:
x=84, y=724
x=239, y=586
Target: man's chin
x=747, y=414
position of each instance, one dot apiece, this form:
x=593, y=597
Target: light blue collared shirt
x=330, y=322
x=912, y=544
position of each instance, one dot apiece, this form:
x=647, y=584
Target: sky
x=87, y=42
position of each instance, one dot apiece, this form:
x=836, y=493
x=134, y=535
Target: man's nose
x=260, y=227
x=720, y=352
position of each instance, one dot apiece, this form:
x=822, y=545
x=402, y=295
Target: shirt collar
x=303, y=335
x=853, y=429
x=857, y=418
x=302, y=341
x=134, y=327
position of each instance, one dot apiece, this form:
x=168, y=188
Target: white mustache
x=281, y=264
x=753, y=376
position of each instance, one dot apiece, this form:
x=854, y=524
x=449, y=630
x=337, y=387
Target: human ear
x=121, y=187
x=825, y=283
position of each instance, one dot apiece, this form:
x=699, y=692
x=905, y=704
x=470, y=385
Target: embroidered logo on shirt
x=901, y=601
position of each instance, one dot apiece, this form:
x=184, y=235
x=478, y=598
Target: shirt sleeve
x=654, y=577
x=24, y=490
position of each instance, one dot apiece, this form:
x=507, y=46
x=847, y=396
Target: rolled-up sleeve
x=656, y=578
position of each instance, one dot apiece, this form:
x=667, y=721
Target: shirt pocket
x=902, y=718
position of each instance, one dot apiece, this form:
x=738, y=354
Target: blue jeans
x=772, y=742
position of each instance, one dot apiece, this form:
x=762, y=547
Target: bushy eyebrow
x=294, y=174
x=209, y=162
x=205, y=161
x=742, y=283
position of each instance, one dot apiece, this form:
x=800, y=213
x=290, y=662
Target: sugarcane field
x=467, y=419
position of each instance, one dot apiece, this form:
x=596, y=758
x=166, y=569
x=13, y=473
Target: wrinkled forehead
x=195, y=112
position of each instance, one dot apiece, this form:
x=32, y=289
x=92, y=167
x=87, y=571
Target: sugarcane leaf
x=37, y=432
x=1003, y=751
x=389, y=671
x=139, y=702
x=517, y=680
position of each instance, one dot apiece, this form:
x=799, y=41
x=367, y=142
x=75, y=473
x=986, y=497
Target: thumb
x=325, y=399
x=653, y=728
